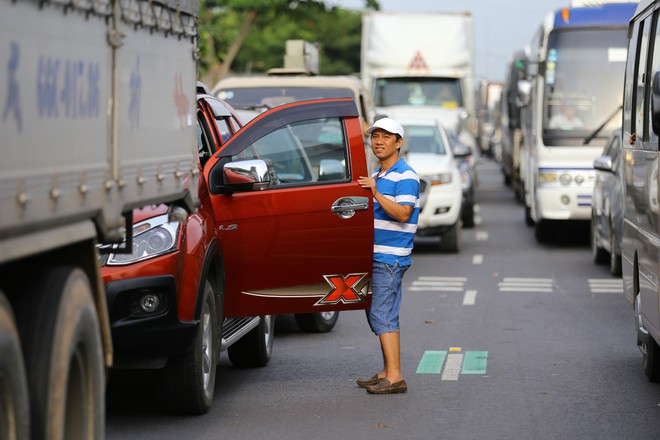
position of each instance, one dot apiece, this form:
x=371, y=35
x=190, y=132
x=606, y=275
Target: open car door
x=295, y=226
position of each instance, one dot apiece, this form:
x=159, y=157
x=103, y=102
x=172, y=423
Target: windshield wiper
x=601, y=126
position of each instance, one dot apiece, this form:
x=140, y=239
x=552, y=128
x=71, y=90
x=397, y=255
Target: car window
x=304, y=152
x=424, y=139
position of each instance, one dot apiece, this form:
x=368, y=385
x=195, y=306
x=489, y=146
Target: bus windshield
x=583, y=82
x=414, y=90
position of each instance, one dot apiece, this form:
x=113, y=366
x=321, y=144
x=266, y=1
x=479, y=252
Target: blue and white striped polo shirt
x=393, y=240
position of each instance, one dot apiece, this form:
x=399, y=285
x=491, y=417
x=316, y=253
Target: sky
x=501, y=27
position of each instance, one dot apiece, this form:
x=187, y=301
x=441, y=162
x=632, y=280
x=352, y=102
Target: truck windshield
x=583, y=82
x=241, y=97
x=444, y=92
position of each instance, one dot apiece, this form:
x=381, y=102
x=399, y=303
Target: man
x=567, y=118
x=395, y=188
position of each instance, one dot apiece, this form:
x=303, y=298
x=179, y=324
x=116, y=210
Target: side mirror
x=524, y=89
x=655, y=102
x=461, y=150
x=603, y=163
x=331, y=169
x=247, y=175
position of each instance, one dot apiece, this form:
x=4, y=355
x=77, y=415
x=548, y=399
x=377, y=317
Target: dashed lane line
x=470, y=297
x=605, y=285
x=526, y=285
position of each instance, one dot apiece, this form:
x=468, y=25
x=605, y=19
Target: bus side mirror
x=524, y=89
x=655, y=103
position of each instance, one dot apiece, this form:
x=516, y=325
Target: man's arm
x=398, y=212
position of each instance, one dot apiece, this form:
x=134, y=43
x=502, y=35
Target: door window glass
x=304, y=152
x=640, y=101
x=655, y=66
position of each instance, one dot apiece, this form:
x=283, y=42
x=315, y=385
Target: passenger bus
x=573, y=101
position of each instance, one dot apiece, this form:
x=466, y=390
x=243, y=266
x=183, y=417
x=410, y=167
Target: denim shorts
x=383, y=316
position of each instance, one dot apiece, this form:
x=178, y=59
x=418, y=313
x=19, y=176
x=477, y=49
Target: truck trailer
x=97, y=118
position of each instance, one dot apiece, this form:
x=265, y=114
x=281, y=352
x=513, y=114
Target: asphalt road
x=507, y=339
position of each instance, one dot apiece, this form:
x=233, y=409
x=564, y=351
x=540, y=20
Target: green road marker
x=431, y=362
x=475, y=362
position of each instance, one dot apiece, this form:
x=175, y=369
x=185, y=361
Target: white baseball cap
x=387, y=124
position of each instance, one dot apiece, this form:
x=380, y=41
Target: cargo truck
x=97, y=112
x=421, y=63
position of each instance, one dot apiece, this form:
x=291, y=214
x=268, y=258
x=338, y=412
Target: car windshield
x=583, y=80
x=444, y=92
x=424, y=139
x=240, y=97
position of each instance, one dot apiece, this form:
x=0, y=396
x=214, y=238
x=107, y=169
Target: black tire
x=615, y=258
x=14, y=403
x=321, y=322
x=647, y=345
x=529, y=221
x=599, y=254
x=189, y=379
x=544, y=231
x=63, y=356
x=467, y=216
x=450, y=241
x=255, y=348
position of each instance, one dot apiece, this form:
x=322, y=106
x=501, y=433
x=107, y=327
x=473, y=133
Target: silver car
x=607, y=206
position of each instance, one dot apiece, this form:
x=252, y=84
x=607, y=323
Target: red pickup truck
x=282, y=227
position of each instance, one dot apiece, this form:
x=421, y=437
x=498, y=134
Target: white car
x=427, y=149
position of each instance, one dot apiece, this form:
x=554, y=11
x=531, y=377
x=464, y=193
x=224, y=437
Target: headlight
x=547, y=177
x=565, y=179
x=440, y=179
x=151, y=238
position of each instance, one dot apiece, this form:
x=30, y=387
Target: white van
x=640, y=243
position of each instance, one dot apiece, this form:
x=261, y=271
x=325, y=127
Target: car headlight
x=151, y=238
x=546, y=177
x=440, y=179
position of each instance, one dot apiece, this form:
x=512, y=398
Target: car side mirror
x=655, y=102
x=461, y=150
x=246, y=175
x=331, y=169
x=604, y=163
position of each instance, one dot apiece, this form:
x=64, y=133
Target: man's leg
x=390, y=345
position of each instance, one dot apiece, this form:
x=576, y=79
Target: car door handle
x=345, y=207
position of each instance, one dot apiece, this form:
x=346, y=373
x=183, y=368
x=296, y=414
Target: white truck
x=423, y=61
x=97, y=102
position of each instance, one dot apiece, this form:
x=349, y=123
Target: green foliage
x=337, y=31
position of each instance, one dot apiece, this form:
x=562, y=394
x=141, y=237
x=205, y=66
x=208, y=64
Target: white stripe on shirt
x=395, y=226
x=401, y=252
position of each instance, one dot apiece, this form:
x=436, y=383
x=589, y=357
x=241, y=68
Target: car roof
x=339, y=81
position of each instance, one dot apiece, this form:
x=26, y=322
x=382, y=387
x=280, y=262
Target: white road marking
x=526, y=285
x=481, y=235
x=605, y=285
x=438, y=284
x=470, y=297
x=477, y=259
x=452, y=366
x=477, y=208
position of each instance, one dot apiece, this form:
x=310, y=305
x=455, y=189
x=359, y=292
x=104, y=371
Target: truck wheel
x=599, y=254
x=14, y=406
x=63, y=356
x=255, y=348
x=450, y=241
x=321, y=322
x=189, y=379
